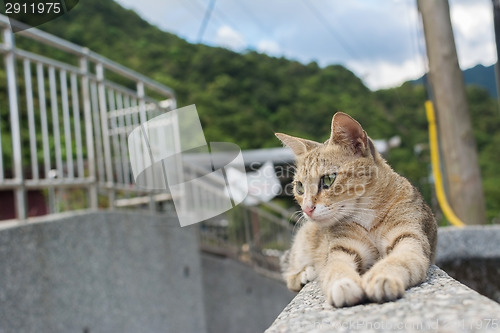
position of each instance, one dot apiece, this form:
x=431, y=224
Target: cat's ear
x=297, y=145
x=348, y=132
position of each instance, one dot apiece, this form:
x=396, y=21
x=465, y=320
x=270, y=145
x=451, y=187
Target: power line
x=264, y=28
x=194, y=7
x=423, y=53
x=212, y=14
x=206, y=18
x=216, y=15
x=419, y=33
x=343, y=43
x=223, y=18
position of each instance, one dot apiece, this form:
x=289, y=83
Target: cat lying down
x=368, y=234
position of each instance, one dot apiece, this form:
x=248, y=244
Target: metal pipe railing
x=80, y=51
x=77, y=123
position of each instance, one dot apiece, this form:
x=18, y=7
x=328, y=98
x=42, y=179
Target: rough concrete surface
x=440, y=304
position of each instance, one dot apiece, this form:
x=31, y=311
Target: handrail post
x=101, y=91
x=142, y=120
x=88, y=132
x=10, y=67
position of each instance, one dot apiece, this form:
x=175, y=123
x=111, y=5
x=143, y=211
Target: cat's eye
x=299, y=188
x=327, y=180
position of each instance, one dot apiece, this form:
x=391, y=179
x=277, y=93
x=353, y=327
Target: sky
x=381, y=41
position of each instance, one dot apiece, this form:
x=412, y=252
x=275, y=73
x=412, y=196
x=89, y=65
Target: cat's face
x=330, y=185
x=333, y=180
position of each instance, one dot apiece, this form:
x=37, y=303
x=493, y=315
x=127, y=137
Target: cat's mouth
x=322, y=219
x=327, y=216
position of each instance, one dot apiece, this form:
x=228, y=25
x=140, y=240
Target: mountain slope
x=479, y=76
x=482, y=76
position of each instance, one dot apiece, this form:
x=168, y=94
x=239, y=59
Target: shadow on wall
x=238, y=299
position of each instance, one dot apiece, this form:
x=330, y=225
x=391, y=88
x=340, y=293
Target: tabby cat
x=368, y=234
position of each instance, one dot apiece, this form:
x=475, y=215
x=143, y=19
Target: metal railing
x=77, y=120
x=256, y=235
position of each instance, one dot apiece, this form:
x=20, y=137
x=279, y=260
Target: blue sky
x=381, y=41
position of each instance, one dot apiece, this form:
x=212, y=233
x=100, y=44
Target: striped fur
x=370, y=235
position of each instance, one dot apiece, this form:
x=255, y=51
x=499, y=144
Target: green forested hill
x=257, y=93
x=244, y=98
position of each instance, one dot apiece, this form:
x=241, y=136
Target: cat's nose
x=309, y=210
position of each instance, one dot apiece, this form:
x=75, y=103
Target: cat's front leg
x=340, y=279
x=405, y=265
x=296, y=280
x=297, y=264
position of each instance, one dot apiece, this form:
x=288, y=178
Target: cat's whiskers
x=301, y=220
x=350, y=208
x=296, y=215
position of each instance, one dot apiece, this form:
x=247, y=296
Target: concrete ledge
x=439, y=304
x=470, y=242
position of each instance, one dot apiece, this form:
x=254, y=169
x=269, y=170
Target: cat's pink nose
x=309, y=210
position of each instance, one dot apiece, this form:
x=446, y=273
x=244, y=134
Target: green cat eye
x=327, y=180
x=299, y=188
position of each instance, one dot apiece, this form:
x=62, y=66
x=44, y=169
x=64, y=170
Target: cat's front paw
x=345, y=292
x=308, y=275
x=297, y=281
x=381, y=287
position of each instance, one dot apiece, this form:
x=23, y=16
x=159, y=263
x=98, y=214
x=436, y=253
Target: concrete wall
x=101, y=272
x=238, y=299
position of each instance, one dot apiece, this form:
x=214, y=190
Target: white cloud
x=385, y=74
x=268, y=46
x=473, y=29
x=230, y=38
x=471, y=20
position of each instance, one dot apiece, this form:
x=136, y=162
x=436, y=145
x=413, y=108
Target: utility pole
x=496, y=24
x=458, y=145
